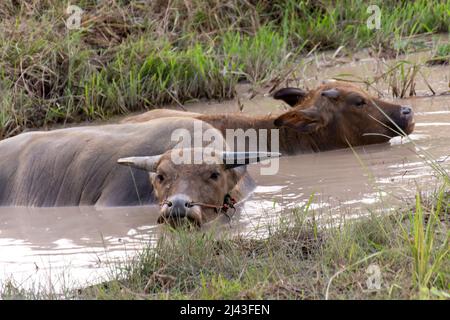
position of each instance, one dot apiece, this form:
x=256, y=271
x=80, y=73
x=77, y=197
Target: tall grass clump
x=429, y=251
x=441, y=55
x=330, y=24
x=145, y=74
x=258, y=58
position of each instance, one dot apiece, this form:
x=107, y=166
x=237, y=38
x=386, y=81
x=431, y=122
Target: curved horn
x=331, y=93
x=236, y=159
x=144, y=163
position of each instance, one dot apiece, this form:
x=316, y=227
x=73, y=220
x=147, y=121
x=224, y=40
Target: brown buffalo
x=334, y=115
x=191, y=192
x=78, y=166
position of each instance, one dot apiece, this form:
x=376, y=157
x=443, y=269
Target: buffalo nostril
x=178, y=212
x=406, y=110
x=178, y=207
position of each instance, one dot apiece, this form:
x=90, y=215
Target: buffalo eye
x=357, y=101
x=160, y=178
x=214, y=176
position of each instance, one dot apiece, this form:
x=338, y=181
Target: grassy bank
x=130, y=56
x=408, y=250
x=299, y=260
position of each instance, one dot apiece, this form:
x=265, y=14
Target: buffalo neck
x=290, y=140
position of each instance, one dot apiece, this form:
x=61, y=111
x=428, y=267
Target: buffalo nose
x=405, y=110
x=178, y=207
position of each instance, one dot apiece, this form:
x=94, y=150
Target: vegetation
x=442, y=54
x=130, y=56
x=298, y=259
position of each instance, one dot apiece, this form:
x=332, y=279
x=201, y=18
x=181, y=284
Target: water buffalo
x=334, y=115
x=195, y=192
x=78, y=166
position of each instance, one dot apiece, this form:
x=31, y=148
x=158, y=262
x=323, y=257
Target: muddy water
x=69, y=247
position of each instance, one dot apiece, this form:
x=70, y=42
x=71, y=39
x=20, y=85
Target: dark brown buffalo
x=334, y=115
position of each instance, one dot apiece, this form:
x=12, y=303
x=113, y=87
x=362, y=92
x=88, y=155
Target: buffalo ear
x=304, y=121
x=235, y=175
x=292, y=96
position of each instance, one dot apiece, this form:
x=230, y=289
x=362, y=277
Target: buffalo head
x=340, y=114
x=194, y=192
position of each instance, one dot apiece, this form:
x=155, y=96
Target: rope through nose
x=169, y=203
x=228, y=203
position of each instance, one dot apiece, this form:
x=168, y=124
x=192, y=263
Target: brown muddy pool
x=62, y=248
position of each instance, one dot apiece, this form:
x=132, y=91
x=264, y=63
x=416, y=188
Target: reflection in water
x=75, y=246
x=70, y=246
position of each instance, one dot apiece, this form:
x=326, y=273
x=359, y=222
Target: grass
x=399, y=76
x=441, y=55
x=427, y=262
x=297, y=259
x=128, y=56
